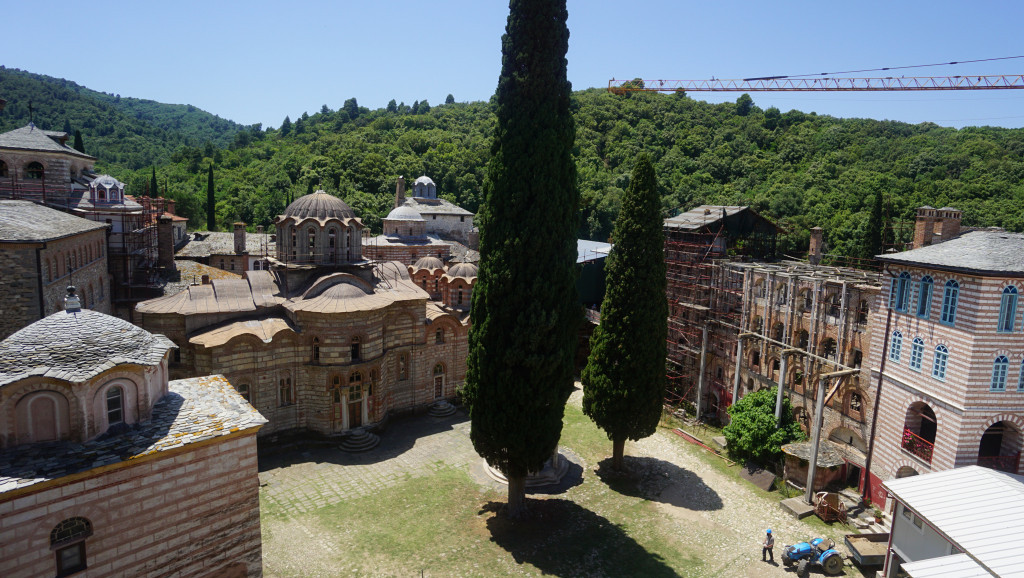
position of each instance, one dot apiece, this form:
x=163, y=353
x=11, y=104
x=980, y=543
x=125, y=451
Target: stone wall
x=193, y=511
x=454, y=226
x=406, y=254
x=19, y=287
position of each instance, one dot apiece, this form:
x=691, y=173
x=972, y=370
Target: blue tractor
x=818, y=552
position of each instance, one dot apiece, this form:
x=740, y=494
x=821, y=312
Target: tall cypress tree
x=524, y=308
x=873, y=237
x=211, y=203
x=624, y=380
x=78, y=144
x=154, y=188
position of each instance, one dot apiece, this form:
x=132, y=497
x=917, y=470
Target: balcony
x=917, y=445
x=1008, y=464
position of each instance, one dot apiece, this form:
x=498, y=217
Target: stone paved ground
x=712, y=512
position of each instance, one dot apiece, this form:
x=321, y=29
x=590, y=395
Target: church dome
x=319, y=205
x=464, y=270
x=429, y=263
x=424, y=180
x=404, y=213
x=77, y=346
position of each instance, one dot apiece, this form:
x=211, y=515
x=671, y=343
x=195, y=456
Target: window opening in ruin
x=828, y=349
x=803, y=339
x=855, y=405
x=115, y=403
x=858, y=358
x=67, y=540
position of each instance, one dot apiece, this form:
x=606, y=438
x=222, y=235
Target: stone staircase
x=860, y=517
x=441, y=408
x=359, y=440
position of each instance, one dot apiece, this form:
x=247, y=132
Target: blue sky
x=261, y=60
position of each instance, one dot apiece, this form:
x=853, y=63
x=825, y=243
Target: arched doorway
x=999, y=447
x=439, y=375
x=355, y=400
x=919, y=431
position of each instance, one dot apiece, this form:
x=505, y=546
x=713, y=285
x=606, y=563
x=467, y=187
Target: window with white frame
x=115, y=405
x=924, y=296
x=1007, y=310
x=67, y=541
x=999, y=369
x=949, y=299
x=939, y=362
x=916, y=354
x=895, y=346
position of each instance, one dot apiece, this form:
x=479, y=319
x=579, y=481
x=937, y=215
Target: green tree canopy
x=524, y=308
x=211, y=203
x=624, y=380
x=752, y=433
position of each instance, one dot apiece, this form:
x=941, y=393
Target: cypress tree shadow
x=657, y=480
x=561, y=538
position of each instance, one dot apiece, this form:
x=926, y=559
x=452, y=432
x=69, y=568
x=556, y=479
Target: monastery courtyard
x=420, y=504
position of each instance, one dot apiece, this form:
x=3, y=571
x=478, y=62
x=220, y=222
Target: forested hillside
x=799, y=169
x=123, y=133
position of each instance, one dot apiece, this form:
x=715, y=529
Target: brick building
x=236, y=252
x=42, y=251
x=324, y=340
x=107, y=467
x=38, y=164
x=950, y=364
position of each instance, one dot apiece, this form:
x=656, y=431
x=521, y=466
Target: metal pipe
x=700, y=375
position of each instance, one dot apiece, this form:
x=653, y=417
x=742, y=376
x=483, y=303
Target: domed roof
x=319, y=205
x=464, y=270
x=430, y=263
x=107, y=182
x=425, y=180
x=77, y=346
x=404, y=213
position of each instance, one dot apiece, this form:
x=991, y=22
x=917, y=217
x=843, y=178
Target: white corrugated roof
x=955, y=566
x=976, y=508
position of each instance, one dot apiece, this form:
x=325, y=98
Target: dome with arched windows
x=424, y=188
x=404, y=213
x=463, y=270
x=319, y=205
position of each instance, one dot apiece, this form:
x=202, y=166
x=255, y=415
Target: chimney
x=924, y=227
x=72, y=304
x=239, y=238
x=948, y=224
x=170, y=206
x=817, y=246
x=400, y=192
x=165, y=242
x=206, y=279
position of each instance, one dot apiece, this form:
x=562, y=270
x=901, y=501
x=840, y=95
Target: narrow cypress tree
x=624, y=380
x=78, y=145
x=873, y=241
x=153, y=187
x=211, y=204
x=524, y=308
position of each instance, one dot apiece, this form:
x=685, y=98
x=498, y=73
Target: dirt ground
x=702, y=509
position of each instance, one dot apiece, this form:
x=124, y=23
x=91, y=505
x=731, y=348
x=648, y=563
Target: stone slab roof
x=189, y=272
x=77, y=346
x=27, y=222
x=429, y=240
x=830, y=454
x=426, y=206
x=986, y=252
x=219, y=243
x=194, y=410
x=31, y=138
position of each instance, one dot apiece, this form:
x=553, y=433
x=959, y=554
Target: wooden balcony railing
x=917, y=445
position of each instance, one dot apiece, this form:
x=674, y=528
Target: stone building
x=422, y=226
x=950, y=365
x=38, y=165
x=324, y=340
x=236, y=252
x=42, y=251
x=109, y=468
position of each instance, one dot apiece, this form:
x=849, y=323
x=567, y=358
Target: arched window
x=115, y=405
x=1007, y=310
x=758, y=325
x=834, y=304
x=778, y=331
x=316, y=350
x=939, y=364
x=459, y=301
x=899, y=295
x=855, y=405
x=439, y=336
x=355, y=348
x=243, y=389
x=895, y=346
x=828, y=349
x=67, y=541
x=285, y=390
x=782, y=295
x=924, y=296
x=439, y=369
x=311, y=243
x=760, y=289
x=949, y=298
x=802, y=339
x=999, y=369
x=916, y=354
x=34, y=171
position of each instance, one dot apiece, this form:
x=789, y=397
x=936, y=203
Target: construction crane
x=821, y=84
